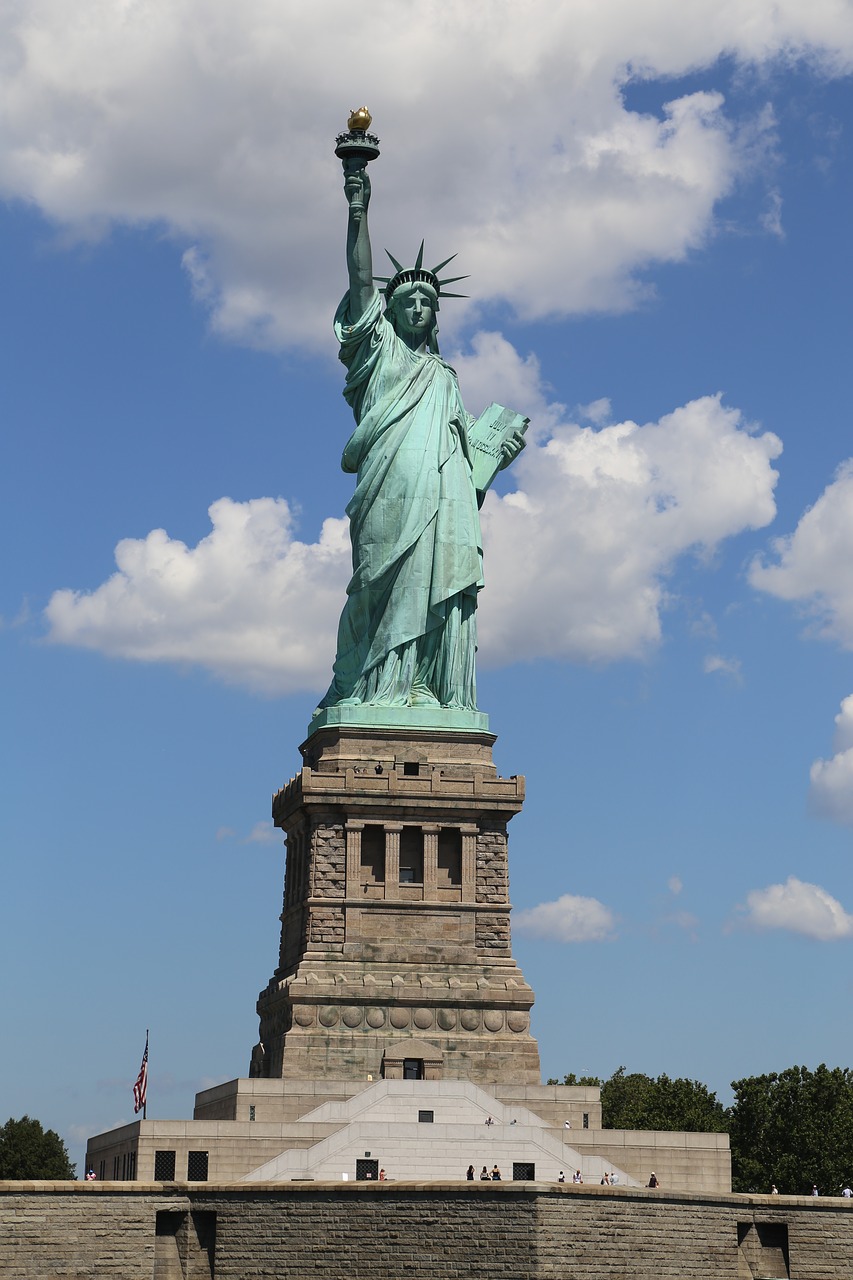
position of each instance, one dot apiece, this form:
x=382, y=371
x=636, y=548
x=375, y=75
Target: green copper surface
x=407, y=636
x=374, y=717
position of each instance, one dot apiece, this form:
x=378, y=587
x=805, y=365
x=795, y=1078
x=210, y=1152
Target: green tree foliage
x=638, y=1101
x=571, y=1078
x=793, y=1128
x=29, y=1151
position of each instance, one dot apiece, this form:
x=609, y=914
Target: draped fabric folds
x=407, y=635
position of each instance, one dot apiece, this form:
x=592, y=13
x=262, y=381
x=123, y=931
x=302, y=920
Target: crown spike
x=455, y=295
x=436, y=270
x=419, y=261
x=398, y=266
x=452, y=280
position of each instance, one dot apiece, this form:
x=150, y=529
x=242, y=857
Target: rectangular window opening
x=586, y=1119
x=373, y=855
x=523, y=1171
x=763, y=1249
x=426, y=1117
x=411, y=855
x=449, y=857
x=197, y=1166
x=164, y=1166
x=411, y=769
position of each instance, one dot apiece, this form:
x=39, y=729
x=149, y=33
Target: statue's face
x=414, y=309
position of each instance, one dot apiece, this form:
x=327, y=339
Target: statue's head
x=413, y=313
x=412, y=298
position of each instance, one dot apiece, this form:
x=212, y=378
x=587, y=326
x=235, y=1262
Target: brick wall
x=349, y=1231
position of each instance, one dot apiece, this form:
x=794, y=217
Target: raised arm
x=359, y=255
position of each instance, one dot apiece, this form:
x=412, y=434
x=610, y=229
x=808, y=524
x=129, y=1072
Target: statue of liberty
x=407, y=636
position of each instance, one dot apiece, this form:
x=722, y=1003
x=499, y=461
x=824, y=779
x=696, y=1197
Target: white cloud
x=771, y=218
x=263, y=833
x=569, y=919
x=798, y=907
x=831, y=793
x=215, y=122
x=597, y=411
x=675, y=885
x=250, y=603
x=812, y=565
x=715, y=662
x=576, y=558
x=811, y=568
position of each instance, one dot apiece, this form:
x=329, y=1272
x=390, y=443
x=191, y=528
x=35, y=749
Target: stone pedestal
x=395, y=955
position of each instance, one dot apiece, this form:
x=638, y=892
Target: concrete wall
x=385, y=1231
x=383, y=1118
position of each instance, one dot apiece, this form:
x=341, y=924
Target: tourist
x=470, y=1174
x=562, y=1177
x=774, y=1190
x=496, y=1174
x=653, y=1180
x=577, y=1178
x=488, y=1121
x=815, y=1191
x=847, y=1193
x=484, y=1175
x=381, y=1175
x=605, y=1180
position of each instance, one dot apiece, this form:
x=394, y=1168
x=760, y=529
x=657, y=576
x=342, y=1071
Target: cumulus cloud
x=569, y=919
x=215, y=122
x=250, y=603
x=675, y=885
x=576, y=558
x=798, y=907
x=811, y=566
x=831, y=793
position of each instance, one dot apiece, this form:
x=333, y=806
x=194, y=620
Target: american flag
x=140, y=1089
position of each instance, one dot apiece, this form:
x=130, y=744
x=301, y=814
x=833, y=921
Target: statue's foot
x=424, y=699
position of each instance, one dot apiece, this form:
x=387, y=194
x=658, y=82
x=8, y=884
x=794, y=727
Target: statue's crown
x=419, y=274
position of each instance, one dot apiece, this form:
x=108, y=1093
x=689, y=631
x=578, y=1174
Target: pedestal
x=395, y=957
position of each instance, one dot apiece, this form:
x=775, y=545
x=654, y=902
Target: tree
x=29, y=1151
x=571, y=1078
x=637, y=1101
x=793, y=1128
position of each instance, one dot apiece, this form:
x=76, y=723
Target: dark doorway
x=367, y=1170
x=413, y=1068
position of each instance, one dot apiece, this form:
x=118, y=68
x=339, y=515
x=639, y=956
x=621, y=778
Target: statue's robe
x=407, y=635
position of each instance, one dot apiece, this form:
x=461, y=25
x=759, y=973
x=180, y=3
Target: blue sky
x=655, y=215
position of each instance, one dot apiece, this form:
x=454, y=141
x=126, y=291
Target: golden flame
x=360, y=119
